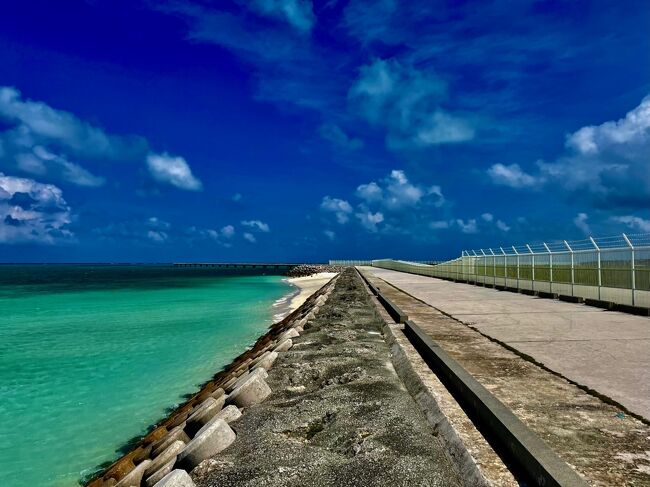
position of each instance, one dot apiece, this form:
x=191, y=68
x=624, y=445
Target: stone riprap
x=200, y=428
x=304, y=270
x=338, y=416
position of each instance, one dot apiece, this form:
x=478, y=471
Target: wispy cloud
x=157, y=236
x=580, y=221
x=173, y=170
x=41, y=140
x=257, y=225
x=408, y=103
x=634, y=222
x=298, y=13
x=250, y=237
x=335, y=134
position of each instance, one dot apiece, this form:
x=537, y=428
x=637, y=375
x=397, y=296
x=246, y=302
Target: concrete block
x=228, y=414
x=261, y=372
x=211, y=440
x=254, y=390
x=284, y=346
x=134, y=477
x=315, y=310
x=217, y=393
x=204, y=413
x=257, y=359
x=176, y=478
x=232, y=385
x=178, y=433
x=230, y=382
x=290, y=333
x=165, y=457
x=158, y=475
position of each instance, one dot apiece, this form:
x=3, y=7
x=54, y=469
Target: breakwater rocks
x=304, y=270
x=203, y=426
x=339, y=415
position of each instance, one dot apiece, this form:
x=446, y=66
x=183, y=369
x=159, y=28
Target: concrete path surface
x=607, y=351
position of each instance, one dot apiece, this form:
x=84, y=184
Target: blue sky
x=293, y=130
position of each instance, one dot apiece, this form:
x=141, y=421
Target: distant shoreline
x=303, y=287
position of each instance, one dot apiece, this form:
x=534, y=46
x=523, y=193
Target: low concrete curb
x=527, y=452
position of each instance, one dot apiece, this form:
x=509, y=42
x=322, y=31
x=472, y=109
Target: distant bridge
x=238, y=265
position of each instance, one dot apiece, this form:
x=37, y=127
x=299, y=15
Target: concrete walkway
x=607, y=351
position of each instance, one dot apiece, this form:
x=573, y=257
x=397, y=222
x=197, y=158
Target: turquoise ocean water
x=90, y=356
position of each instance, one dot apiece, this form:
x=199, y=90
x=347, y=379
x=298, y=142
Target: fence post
x=517, y=254
x=550, y=267
x=484, y=259
x=573, y=277
x=532, y=265
x=632, y=268
x=494, y=268
x=600, y=277
x=505, y=266
x=475, y=266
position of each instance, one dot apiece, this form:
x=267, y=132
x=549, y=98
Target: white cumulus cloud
x=513, y=176
x=227, y=232
x=340, y=208
x=32, y=212
x=369, y=220
x=468, y=226
x=250, y=237
x=606, y=164
x=396, y=192
x=173, y=170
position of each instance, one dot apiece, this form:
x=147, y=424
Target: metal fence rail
x=614, y=269
x=350, y=262
x=369, y=262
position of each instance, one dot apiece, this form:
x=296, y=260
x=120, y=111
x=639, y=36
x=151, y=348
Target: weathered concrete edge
x=465, y=464
x=470, y=472
x=534, y=457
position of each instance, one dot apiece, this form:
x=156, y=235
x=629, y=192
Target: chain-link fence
x=369, y=262
x=615, y=269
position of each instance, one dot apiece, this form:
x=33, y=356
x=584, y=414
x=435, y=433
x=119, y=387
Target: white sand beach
x=308, y=285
